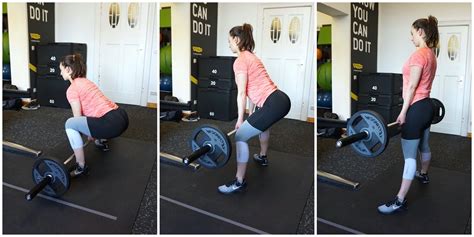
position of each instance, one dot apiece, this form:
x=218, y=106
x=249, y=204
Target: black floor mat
x=273, y=203
x=115, y=186
x=192, y=222
x=441, y=207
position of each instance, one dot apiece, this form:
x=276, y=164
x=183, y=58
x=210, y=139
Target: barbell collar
x=351, y=139
x=177, y=159
x=38, y=187
x=196, y=154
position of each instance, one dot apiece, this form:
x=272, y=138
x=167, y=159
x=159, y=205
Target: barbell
x=50, y=177
x=368, y=134
x=210, y=147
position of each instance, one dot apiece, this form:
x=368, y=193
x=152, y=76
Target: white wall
x=79, y=29
x=235, y=14
x=180, y=55
x=323, y=19
x=19, y=54
x=151, y=57
x=341, y=60
x=395, y=21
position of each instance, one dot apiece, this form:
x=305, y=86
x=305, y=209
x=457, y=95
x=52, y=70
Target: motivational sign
x=364, y=32
x=40, y=30
x=203, y=37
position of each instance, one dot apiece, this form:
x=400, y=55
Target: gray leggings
x=410, y=151
x=243, y=134
x=74, y=127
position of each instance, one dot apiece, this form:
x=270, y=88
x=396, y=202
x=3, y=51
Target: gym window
x=275, y=30
x=114, y=14
x=453, y=47
x=133, y=15
x=294, y=30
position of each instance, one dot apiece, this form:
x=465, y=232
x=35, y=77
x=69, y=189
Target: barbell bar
x=18, y=147
x=361, y=136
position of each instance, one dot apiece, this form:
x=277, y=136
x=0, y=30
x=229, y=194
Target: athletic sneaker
x=102, y=144
x=261, y=160
x=233, y=186
x=423, y=178
x=77, y=170
x=392, y=206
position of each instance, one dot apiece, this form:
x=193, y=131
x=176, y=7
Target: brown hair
x=430, y=26
x=76, y=64
x=244, y=33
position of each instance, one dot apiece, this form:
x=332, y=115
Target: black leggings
x=111, y=125
x=276, y=106
x=418, y=119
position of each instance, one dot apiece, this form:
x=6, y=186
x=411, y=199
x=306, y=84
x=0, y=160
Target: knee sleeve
x=242, y=152
x=245, y=132
x=75, y=138
x=409, y=169
x=410, y=150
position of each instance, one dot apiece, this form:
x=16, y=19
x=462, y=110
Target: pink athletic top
x=93, y=101
x=259, y=84
x=426, y=59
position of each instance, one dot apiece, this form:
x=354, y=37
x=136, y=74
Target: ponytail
x=244, y=33
x=76, y=64
x=430, y=27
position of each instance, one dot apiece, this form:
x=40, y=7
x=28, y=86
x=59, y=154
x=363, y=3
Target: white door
x=123, y=28
x=284, y=38
x=450, y=79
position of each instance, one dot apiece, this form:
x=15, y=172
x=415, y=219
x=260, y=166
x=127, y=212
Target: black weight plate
x=220, y=142
x=439, y=111
x=61, y=179
x=374, y=124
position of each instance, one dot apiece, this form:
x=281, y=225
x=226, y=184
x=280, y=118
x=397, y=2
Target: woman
x=271, y=104
x=417, y=111
x=94, y=114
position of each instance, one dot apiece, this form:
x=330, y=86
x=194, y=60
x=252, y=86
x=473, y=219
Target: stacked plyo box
x=51, y=87
x=382, y=93
x=217, y=91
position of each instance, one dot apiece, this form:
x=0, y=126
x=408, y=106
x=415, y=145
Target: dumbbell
x=211, y=147
x=51, y=177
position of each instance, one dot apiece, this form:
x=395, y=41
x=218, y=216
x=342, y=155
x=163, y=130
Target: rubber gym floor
x=43, y=129
x=443, y=206
x=279, y=198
